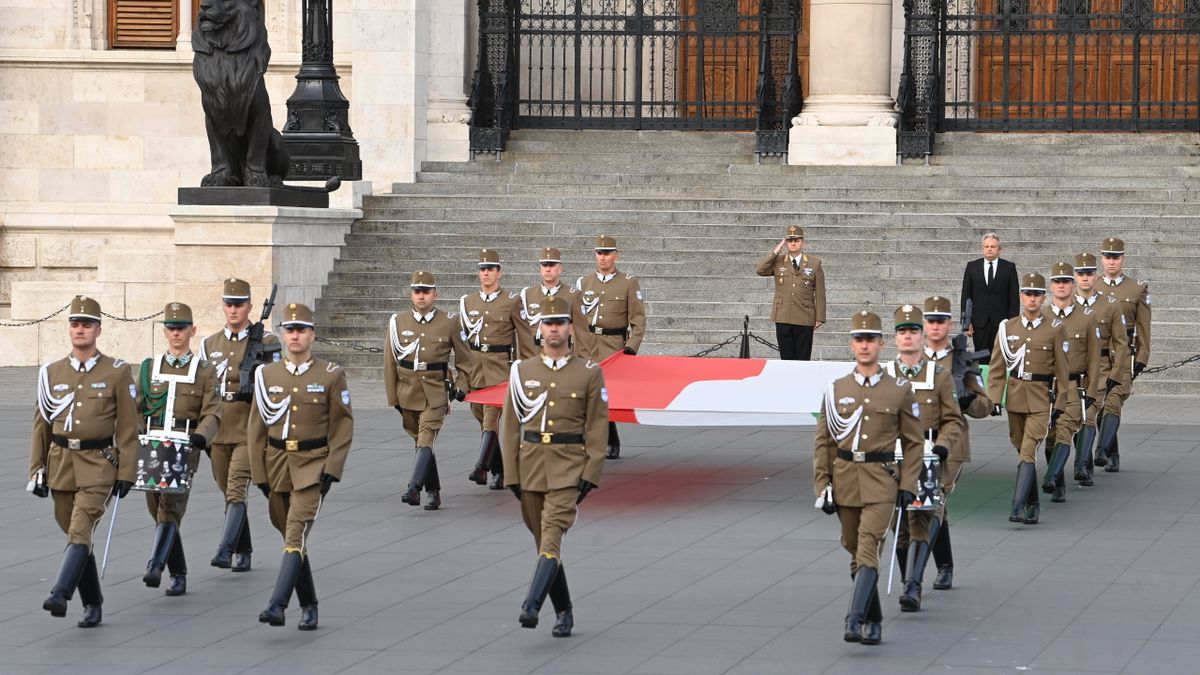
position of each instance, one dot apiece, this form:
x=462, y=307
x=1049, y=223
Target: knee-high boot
x=285, y=583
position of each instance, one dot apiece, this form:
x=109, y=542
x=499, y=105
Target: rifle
x=257, y=353
x=965, y=362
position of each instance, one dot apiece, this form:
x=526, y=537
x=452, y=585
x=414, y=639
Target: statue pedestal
x=253, y=196
x=292, y=247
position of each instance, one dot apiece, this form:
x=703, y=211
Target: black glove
x=942, y=453
x=327, y=482
x=584, y=488
x=516, y=490
x=1138, y=368
x=121, y=488
x=828, y=508
x=1054, y=415
x=40, y=487
x=905, y=498
x=1088, y=401
x=459, y=395
x=198, y=441
x=266, y=489
x=398, y=409
x=995, y=410
x=1110, y=384
x=208, y=451
x=966, y=401
x=630, y=351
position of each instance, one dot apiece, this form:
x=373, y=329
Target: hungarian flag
x=682, y=391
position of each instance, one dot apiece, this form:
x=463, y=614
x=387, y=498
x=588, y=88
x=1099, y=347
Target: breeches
x=231, y=470
x=1026, y=432
x=549, y=515
x=863, y=529
x=78, y=512
x=424, y=425
x=488, y=416
x=167, y=508
x=293, y=513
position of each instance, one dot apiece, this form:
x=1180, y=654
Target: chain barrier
x=761, y=341
x=351, y=345
x=60, y=310
x=716, y=347
x=1178, y=364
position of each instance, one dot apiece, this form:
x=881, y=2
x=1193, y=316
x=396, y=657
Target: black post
x=744, y=351
x=317, y=134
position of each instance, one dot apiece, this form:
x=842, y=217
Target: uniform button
x=78, y=405
x=550, y=422
x=315, y=401
x=866, y=418
x=551, y=404
x=552, y=384
x=293, y=426
x=866, y=400
x=864, y=437
x=79, y=386
x=572, y=394
x=295, y=407
x=295, y=389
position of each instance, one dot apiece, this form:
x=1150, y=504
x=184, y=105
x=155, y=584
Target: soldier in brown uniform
x=226, y=350
x=529, y=331
x=799, y=294
x=854, y=470
x=84, y=449
x=1081, y=342
x=553, y=441
x=299, y=434
x=419, y=378
x=973, y=402
x=1114, y=355
x=942, y=425
x=487, y=322
x=1133, y=299
x=1028, y=357
x=188, y=385
x=615, y=316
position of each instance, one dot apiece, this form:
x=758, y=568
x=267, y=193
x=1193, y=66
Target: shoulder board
x=451, y=315
x=330, y=367
x=512, y=295
x=589, y=364
x=117, y=363
x=901, y=382
x=628, y=275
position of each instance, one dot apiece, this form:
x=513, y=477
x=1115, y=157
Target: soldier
x=799, y=294
x=1081, y=342
x=1133, y=299
x=942, y=425
x=418, y=376
x=854, y=475
x=529, y=332
x=226, y=350
x=177, y=391
x=1028, y=351
x=84, y=450
x=553, y=443
x=488, y=321
x=298, y=436
x=974, y=403
x=616, y=316
x=1114, y=355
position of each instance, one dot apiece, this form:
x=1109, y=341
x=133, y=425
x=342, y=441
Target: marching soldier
x=1028, y=357
x=1081, y=342
x=613, y=307
x=226, y=349
x=799, y=294
x=1114, y=355
x=939, y=350
x=488, y=321
x=529, y=330
x=1133, y=298
x=298, y=436
x=418, y=377
x=177, y=391
x=854, y=475
x=553, y=441
x=942, y=425
x=83, y=451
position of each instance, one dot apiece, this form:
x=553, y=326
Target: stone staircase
x=693, y=213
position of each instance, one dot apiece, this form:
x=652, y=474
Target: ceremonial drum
x=929, y=484
x=162, y=464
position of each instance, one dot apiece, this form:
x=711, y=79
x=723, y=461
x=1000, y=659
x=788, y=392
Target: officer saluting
x=1114, y=355
x=854, y=475
x=799, y=294
x=299, y=435
x=529, y=330
x=615, y=314
x=553, y=441
x=84, y=449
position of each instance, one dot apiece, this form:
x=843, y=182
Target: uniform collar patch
x=86, y=365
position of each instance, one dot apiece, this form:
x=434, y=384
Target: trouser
x=914, y=527
x=231, y=470
x=424, y=425
x=985, y=338
x=1069, y=422
x=488, y=416
x=795, y=341
x=1116, y=399
x=863, y=530
x=293, y=513
x=78, y=511
x=167, y=508
x=1026, y=431
x=549, y=515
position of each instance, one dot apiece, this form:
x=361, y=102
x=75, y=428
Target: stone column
x=448, y=138
x=848, y=116
x=183, y=43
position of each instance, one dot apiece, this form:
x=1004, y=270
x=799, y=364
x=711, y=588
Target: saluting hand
x=780, y=245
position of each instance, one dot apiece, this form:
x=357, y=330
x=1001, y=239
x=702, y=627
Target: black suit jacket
x=995, y=303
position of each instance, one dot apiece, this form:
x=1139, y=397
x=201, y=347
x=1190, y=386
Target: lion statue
x=231, y=55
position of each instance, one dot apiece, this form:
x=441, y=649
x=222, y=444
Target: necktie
x=991, y=272
x=795, y=264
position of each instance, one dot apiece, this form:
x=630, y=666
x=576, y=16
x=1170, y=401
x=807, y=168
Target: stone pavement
x=700, y=553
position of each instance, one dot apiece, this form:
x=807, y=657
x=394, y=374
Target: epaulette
x=117, y=363
x=331, y=367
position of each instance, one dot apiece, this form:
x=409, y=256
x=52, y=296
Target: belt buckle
x=421, y=366
x=483, y=348
x=291, y=446
x=1028, y=377
x=228, y=396
x=545, y=438
x=73, y=444
x=859, y=455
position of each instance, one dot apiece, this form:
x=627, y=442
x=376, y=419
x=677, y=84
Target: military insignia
x=275, y=390
x=808, y=271
x=846, y=400
x=1056, y=323
x=1111, y=298
x=473, y=312
x=1066, y=346
x=1123, y=320
x=1088, y=310
x=901, y=381
x=533, y=305
x=1014, y=338
x=346, y=397
x=61, y=387
x=407, y=333
x=277, y=357
x=99, y=385
x=1097, y=331
x=117, y=363
x=315, y=388
x=216, y=355
x=462, y=334
x=639, y=297
x=533, y=383
x=133, y=392
x=331, y=367
x=1148, y=298
x=916, y=409
x=604, y=394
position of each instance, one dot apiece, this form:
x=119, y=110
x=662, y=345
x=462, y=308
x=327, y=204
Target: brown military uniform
x=487, y=325
x=1114, y=343
x=1133, y=302
x=416, y=365
x=528, y=328
x=614, y=314
x=799, y=288
x=1029, y=378
x=1081, y=343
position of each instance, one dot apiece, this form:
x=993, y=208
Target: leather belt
x=1075, y=377
x=1031, y=377
x=231, y=396
x=881, y=456
x=78, y=444
x=292, y=446
x=179, y=424
x=608, y=331
x=538, y=437
x=490, y=348
x=424, y=366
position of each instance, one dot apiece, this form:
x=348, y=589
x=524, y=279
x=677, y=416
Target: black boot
x=420, y=469
x=177, y=564
x=306, y=594
x=496, y=467
x=235, y=513
x=873, y=622
x=1033, y=504
x=433, y=485
x=1054, y=466
x=164, y=539
x=543, y=577
x=1114, y=456
x=89, y=593
x=943, y=557
x=860, y=597
x=487, y=442
x=1107, y=433
x=1026, y=477
x=285, y=583
x=74, y=560
x=614, y=442
x=245, y=547
x=1084, y=441
x=902, y=560
x=918, y=556
x=560, y=598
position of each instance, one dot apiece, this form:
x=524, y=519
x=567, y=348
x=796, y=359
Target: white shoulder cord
x=1011, y=359
x=525, y=407
x=51, y=406
x=470, y=328
x=841, y=427
x=271, y=412
x=533, y=319
x=400, y=351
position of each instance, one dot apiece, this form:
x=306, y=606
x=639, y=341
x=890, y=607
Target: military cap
x=937, y=307
x=84, y=308
x=297, y=314
x=177, y=314
x=489, y=258
x=1084, y=262
x=550, y=255
x=908, y=316
x=1112, y=246
x=1033, y=282
x=555, y=307
x=866, y=323
x=605, y=243
x=236, y=290
x=423, y=279
x=794, y=232
x=1062, y=270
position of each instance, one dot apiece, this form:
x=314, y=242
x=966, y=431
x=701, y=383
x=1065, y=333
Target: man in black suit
x=991, y=284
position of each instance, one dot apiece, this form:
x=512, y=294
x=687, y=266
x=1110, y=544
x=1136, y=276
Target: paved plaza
x=700, y=553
